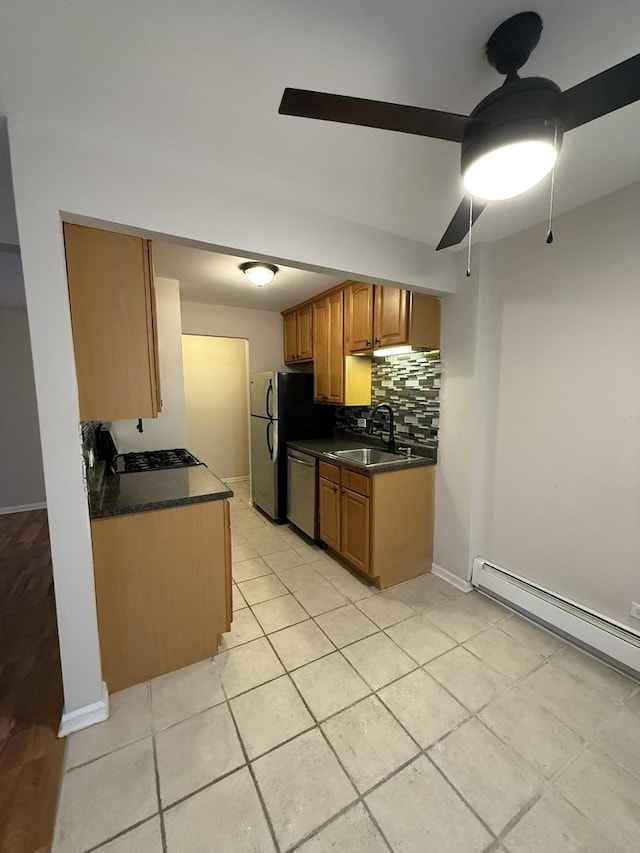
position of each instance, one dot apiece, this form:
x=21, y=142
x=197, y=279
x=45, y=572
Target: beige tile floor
x=337, y=718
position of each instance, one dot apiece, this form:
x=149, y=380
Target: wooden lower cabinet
x=163, y=589
x=354, y=529
x=381, y=525
x=329, y=500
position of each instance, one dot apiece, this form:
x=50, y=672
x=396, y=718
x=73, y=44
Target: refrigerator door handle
x=268, y=399
x=274, y=439
x=269, y=438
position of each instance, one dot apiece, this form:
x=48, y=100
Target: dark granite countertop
x=125, y=494
x=322, y=448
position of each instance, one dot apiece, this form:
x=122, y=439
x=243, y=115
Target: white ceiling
x=199, y=82
x=214, y=278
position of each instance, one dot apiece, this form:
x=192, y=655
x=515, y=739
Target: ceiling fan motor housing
x=521, y=109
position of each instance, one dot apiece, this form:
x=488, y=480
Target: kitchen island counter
x=124, y=494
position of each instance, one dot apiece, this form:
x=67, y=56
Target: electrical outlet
x=635, y=610
x=361, y=422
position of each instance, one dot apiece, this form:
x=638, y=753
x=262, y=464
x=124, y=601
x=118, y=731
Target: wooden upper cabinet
x=304, y=333
x=298, y=335
x=290, y=332
x=402, y=317
x=113, y=316
x=336, y=366
x=358, y=316
x=321, y=328
x=391, y=326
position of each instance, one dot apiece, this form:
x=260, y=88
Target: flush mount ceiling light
x=511, y=139
x=258, y=273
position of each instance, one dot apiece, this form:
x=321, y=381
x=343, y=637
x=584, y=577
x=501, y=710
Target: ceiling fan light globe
x=509, y=170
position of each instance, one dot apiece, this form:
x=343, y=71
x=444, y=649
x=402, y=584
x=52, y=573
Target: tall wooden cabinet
x=338, y=379
x=113, y=316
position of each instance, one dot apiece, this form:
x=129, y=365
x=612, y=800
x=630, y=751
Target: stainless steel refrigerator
x=282, y=410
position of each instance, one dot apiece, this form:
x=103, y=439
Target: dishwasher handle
x=300, y=462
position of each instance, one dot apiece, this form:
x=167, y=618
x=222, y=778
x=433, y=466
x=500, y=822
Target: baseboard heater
x=618, y=644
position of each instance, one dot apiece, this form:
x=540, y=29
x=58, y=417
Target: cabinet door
x=358, y=317
x=290, y=327
x=304, y=333
x=113, y=321
x=329, y=500
x=153, y=327
x=336, y=348
x=321, y=327
x=355, y=529
x=391, y=316
x=151, y=618
x=228, y=564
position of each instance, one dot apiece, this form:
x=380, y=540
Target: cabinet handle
x=368, y=343
x=335, y=489
x=377, y=340
x=344, y=491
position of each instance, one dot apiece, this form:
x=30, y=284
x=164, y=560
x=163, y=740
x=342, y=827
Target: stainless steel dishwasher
x=301, y=491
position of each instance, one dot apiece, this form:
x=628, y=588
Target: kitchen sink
x=368, y=456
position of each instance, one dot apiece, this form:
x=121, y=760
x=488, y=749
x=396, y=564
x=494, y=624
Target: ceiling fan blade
x=380, y=114
x=608, y=91
x=459, y=225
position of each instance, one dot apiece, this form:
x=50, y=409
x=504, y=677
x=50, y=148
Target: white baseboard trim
x=449, y=577
x=8, y=510
x=585, y=630
x=235, y=479
x=74, y=721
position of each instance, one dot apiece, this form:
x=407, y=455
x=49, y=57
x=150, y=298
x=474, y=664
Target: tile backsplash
x=411, y=385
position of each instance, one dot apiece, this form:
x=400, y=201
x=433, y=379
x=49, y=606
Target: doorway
x=216, y=383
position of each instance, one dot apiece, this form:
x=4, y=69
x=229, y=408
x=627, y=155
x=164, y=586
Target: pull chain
x=470, y=227
x=553, y=189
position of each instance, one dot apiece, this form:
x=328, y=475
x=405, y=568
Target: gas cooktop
x=153, y=460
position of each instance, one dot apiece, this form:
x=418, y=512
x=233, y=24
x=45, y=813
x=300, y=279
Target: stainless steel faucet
x=391, y=443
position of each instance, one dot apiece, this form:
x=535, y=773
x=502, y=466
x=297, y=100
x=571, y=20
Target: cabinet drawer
x=356, y=482
x=330, y=472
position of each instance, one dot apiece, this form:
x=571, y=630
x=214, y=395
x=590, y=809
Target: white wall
x=21, y=479
x=263, y=330
x=216, y=385
x=458, y=417
x=68, y=169
x=564, y=486
x=546, y=462
x=169, y=429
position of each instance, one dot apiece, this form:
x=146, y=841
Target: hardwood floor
x=31, y=754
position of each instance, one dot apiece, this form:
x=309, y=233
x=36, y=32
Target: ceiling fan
x=511, y=140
